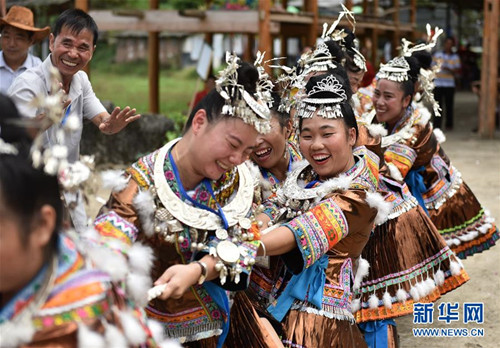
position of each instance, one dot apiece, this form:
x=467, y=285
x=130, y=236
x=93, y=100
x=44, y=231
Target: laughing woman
x=332, y=202
x=274, y=155
x=191, y=202
x=412, y=152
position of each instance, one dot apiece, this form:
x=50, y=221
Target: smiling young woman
x=413, y=152
x=329, y=199
x=191, y=201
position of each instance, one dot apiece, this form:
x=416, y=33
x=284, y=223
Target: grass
x=127, y=84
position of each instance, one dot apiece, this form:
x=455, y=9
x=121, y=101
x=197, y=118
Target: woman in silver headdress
x=331, y=204
x=412, y=151
x=191, y=201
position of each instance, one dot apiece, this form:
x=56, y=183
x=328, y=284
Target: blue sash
x=310, y=281
x=415, y=182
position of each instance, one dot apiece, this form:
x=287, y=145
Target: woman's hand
x=178, y=279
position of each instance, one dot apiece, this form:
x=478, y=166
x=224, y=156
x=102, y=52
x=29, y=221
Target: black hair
x=282, y=116
x=212, y=103
x=25, y=189
x=76, y=20
x=347, y=112
x=336, y=51
x=424, y=58
x=349, y=53
x=30, y=33
x=408, y=87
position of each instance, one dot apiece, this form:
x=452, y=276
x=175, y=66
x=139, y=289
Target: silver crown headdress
x=328, y=105
x=334, y=34
x=426, y=77
x=253, y=110
x=408, y=47
x=319, y=60
x=395, y=70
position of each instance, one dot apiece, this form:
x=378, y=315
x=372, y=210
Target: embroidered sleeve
x=401, y=156
x=112, y=226
x=318, y=230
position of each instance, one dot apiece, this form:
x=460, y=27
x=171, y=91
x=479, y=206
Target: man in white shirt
x=18, y=33
x=72, y=44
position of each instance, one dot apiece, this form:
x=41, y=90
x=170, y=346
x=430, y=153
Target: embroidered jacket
x=336, y=225
x=267, y=280
x=78, y=298
x=196, y=315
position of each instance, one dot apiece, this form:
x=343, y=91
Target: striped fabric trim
x=318, y=230
x=402, y=156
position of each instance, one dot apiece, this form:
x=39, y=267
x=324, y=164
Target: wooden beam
x=413, y=19
x=265, y=39
x=375, y=35
x=3, y=8
x=249, y=51
x=216, y=21
x=489, y=70
x=395, y=34
x=154, y=66
x=312, y=33
x=348, y=4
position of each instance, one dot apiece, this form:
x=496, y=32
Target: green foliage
x=127, y=84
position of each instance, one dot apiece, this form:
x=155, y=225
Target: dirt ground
x=479, y=162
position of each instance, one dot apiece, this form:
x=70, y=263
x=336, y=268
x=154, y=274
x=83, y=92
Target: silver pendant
x=245, y=223
x=228, y=251
x=174, y=226
x=221, y=233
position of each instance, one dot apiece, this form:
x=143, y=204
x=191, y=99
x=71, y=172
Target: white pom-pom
x=440, y=137
x=137, y=288
x=89, y=339
x=140, y=258
x=387, y=300
x=439, y=278
x=132, y=329
x=14, y=335
x=114, y=337
x=111, y=262
x=376, y=130
x=422, y=289
x=401, y=295
x=394, y=172
x=145, y=205
x=455, y=268
x=170, y=343
x=430, y=284
x=414, y=294
x=373, y=301
x=361, y=272
x=425, y=116
x=72, y=123
x=355, y=305
x=156, y=329
x=113, y=179
x=375, y=200
x=484, y=228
